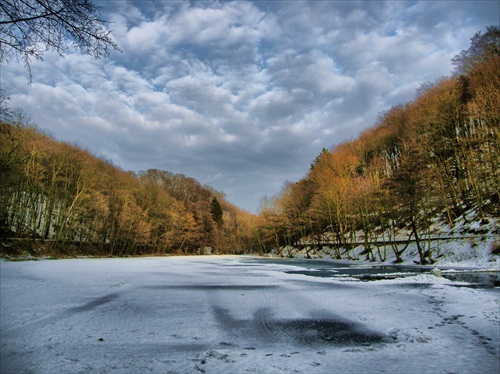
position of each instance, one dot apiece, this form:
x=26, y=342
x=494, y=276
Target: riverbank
x=468, y=253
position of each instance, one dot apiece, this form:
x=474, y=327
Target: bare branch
x=29, y=28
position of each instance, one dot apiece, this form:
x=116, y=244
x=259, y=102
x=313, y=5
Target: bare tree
x=483, y=47
x=29, y=28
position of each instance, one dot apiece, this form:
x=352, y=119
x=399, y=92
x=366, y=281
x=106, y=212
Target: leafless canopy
x=483, y=47
x=29, y=28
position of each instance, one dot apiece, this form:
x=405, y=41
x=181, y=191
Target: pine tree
x=216, y=211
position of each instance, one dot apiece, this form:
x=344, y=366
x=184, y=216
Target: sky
x=242, y=95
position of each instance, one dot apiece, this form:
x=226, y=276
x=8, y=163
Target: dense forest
x=61, y=197
x=433, y=159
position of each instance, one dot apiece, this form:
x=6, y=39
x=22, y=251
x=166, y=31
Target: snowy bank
x=471, y=243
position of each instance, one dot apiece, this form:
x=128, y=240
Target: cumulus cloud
x=243, y=95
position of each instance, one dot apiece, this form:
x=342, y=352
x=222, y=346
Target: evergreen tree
x=216, y=211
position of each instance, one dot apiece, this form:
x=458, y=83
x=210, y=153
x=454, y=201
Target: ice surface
x=236, y=315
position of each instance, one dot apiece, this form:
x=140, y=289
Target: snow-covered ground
x=465, y=252
x=470, y=243
x=238, y=314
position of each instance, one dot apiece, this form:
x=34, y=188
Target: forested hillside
x=57, y=199
x=426, y=164
x=424, y=168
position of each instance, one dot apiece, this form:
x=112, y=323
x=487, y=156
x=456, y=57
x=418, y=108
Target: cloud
x=243, y=95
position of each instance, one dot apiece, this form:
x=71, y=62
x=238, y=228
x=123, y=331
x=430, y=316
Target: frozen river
x=241, y=314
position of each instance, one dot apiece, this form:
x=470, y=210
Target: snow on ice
x=213, y=314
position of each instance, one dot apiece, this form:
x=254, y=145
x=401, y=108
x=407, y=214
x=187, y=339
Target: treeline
x=57, y=193
x=434, y=158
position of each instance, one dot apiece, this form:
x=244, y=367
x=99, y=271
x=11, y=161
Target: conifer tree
x=216, y=211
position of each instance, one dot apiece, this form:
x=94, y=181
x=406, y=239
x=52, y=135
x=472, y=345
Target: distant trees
x=29, y=28
x=434, y=157
x=55, y=192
